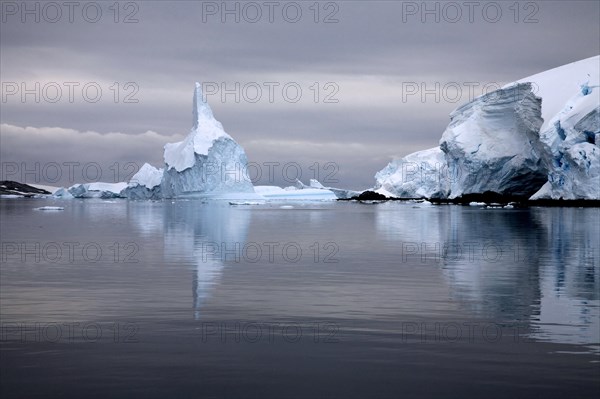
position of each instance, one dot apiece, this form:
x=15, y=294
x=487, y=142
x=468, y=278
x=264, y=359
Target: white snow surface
x=148, y=176
x=558, y=85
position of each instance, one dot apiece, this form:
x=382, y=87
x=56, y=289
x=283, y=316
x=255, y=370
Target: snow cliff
x=536, y=138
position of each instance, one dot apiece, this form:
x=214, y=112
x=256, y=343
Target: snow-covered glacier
x=535, y=138
x=207, y=162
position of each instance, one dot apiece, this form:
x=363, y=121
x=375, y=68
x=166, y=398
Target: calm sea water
x=335, y=300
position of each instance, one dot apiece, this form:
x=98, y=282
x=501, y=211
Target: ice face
x=222, y=170
x=573, y=154
x=493, y=144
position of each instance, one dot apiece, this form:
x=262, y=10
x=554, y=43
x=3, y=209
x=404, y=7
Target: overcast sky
x=340, y=82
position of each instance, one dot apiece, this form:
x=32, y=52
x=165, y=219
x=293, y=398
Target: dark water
x=334, y=300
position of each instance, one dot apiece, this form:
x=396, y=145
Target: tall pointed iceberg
x=207, y=162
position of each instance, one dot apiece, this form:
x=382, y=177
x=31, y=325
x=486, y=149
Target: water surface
x=185, y=298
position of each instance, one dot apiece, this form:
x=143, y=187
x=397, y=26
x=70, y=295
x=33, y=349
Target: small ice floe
x=476, y=203
x=421, y=203
x=286, y=207
x=246, y=203
x=49, y=208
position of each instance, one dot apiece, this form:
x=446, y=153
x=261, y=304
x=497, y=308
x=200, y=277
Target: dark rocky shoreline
x=488, y=198
x=9, y=187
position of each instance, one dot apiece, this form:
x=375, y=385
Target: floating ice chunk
x=309, y=194
x=63, y=193
x=97, y=190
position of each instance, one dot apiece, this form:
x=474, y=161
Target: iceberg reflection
x=538, y=268
x=192, y=229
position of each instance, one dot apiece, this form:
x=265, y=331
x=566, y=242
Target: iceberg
x=293, y=193
x=207, y=162
x=340, y=193
x=94, y=190
x=145, y=184
x=423, y=174
x=63, y=193
x=536, y=138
